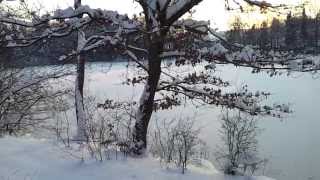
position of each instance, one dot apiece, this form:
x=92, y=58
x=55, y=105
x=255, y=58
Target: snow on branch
x=54, y=32
x=165, y=12
x=37, y=80
x=178, y=8
x=264, y=5
x=274, y=60
x=243, y=100
x=201, y=27
x=89, y=44
x=63, y=22
x=196, y=50
x=261, y=4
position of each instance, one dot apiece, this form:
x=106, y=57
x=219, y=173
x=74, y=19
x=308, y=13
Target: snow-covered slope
x=33, y=159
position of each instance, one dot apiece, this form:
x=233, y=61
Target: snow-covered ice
x=40, y=159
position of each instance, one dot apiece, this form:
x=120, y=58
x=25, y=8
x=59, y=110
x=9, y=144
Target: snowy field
x=27, y=158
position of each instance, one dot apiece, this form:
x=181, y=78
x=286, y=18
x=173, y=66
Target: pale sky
x=212, y=10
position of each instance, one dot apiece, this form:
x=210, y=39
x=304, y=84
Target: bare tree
x=80, y=112
x=175, y=142
x=237, y=153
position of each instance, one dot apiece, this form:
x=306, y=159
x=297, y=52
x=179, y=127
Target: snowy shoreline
x=41, y=159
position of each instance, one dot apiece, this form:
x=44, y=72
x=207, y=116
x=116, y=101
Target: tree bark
x=145, y=109
x=157, y=26
x=80, y=111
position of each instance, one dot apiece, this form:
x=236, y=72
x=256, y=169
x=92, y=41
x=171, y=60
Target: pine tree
x=235, y=34
x=290, y=35
x=251, y=35
x=304, y=36
x=275, y=33
x=264, y=36
x=317, y=33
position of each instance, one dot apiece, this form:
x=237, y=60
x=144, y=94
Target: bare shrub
x=108, y=129
x=238, y=153
x=174, y=142
x=119, y=117
x=26, y=98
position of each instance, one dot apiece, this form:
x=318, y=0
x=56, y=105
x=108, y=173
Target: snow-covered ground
x=27, y=158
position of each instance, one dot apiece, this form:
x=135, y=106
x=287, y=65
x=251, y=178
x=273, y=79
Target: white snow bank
x=34, y=159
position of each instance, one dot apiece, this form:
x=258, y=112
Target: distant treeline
x=298, y=33
x=48, y=51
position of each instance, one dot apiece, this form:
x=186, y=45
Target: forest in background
x=298, y=32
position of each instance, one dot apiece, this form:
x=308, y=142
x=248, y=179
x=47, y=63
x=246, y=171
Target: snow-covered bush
x=175, y=142
x=107, y=131
x=25, y=99
x=238, y=152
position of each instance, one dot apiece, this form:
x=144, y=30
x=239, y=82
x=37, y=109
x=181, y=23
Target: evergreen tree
x=275, y=33
x=317, y=33
x=235, y=34
x=290, y=35
x=251, y=35
x=304, y=36
x=264, y=38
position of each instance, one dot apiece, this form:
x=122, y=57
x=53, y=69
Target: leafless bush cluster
x=238, y=153
x=25, y=99
x=175, y=142
x=108, y=130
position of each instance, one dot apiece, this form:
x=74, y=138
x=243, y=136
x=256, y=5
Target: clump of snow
x=85, y=9
x=203, y=166
x=40, y=159
x=172, y=54
x=68, y=12
x=8, y=37
x=215, y=50
x=81, y=40
x=201, y=26
x=295, y=65
x=247, y=54
x=175, y=7
x=63, y=57
x=11, y=44
x=315, y=60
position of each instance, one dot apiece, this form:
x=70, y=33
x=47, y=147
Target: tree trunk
x=145, y=110
x=80, y=112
